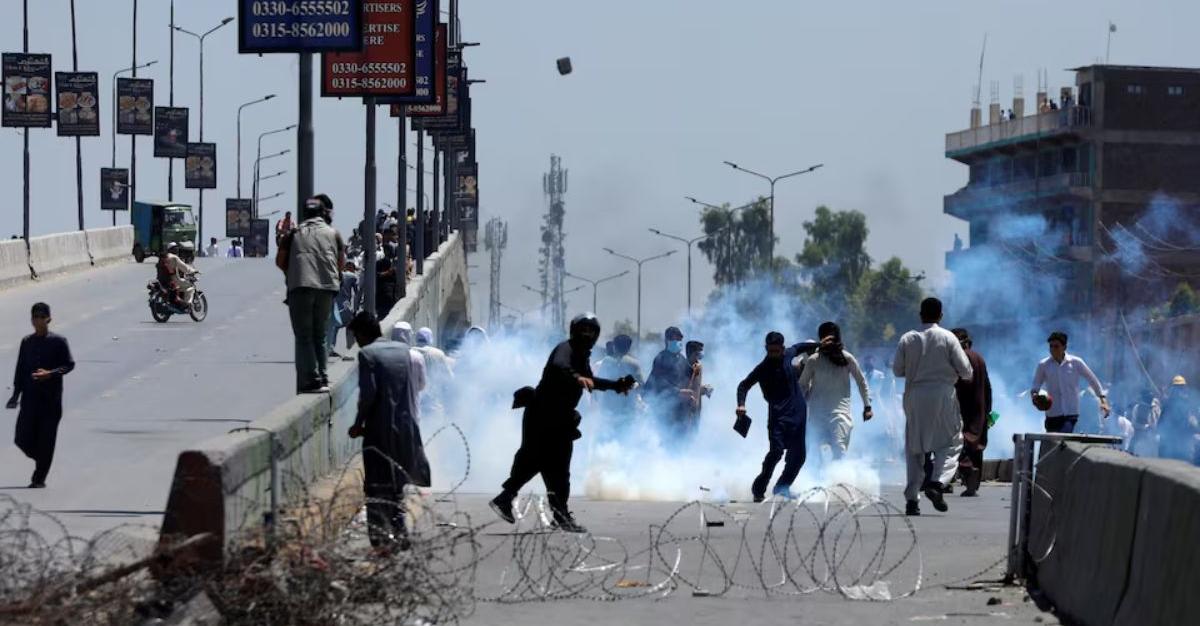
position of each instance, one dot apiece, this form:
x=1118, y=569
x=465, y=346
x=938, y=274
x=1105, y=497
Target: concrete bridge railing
x=51, y=254
x=1113, y=536
x=223, y=485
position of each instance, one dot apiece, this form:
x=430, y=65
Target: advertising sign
x=78, y=104
x=114, y=189
x=237, y=217
x=135, y=106
x=26, y=90
x=456, y=78
x=299, y=26
x=170, y=132
x=200, y=168
x=385, y=66
x=438, y=106
x=426, y=57
x=260, y=235
x=467, y=195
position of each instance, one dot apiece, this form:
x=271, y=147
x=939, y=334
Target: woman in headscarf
x=825, y=380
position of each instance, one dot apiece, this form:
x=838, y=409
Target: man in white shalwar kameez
x=931, y=361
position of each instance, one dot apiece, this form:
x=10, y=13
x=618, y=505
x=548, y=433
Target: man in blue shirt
x=787, y=414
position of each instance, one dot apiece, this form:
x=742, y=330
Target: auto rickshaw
x=156, y=224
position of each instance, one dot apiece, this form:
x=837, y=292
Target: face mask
x=674, y=346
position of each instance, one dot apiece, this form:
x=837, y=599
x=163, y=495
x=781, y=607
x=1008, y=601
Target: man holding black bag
x=787, y=414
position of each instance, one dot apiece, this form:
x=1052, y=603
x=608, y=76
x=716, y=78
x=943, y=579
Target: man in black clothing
x=667, y=385
x=550, y=425
x=42, y=362
x=787, y=414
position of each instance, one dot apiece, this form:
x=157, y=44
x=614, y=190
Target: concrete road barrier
x=1164, y=568
x=51, y=254
x=222, y=486
x=110, y=244
x=14, y=264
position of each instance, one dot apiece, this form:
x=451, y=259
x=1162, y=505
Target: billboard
x=238, y=213
x=266, y=26
x=438, y=106
x=26, y=90
x=135, y=106
x=78, y=97
x=385, y=66
x=114, y=189
x=426, y=58
x=258, y=243
x=200, y=168
x=170, y=132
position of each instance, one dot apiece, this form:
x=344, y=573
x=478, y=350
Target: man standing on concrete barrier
x=393, y=453
x=1059, y=375
x=975, y=402
x=43, y=360
x=931, y=361
x=313, y=257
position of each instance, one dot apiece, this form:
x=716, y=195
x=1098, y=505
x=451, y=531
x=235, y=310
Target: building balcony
x=1028, y=128
x=1050, y=252
x=973, y=199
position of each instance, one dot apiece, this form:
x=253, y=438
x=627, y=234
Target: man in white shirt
x=402, y=332
x=931, y=361
x=213, y=250
x=1059, y=375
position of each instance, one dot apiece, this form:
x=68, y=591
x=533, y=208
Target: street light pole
x=688, y=243
x=259, y=158
x=640, y=263
x=200, y=39
x=239, y=138
x=771, y=215
x=114, y=114
x=595, y=285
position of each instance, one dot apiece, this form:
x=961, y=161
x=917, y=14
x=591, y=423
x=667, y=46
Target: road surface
x=141, y=392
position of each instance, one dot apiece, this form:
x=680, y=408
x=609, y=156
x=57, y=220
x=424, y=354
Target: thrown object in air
x=564, y=66
x=1042, y=400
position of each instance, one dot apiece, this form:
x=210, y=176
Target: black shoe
x=969, y=493
x=37, y=485
x=502, y=505
x=911, y=508
x=948, y=489
x=934, y=493
x=567, y=523
x=758, y=497
x=333, y=355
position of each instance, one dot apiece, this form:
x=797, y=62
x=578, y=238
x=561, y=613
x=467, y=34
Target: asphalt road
x=142, y=391
x=956, y=549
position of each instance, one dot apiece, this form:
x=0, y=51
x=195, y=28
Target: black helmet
x=585, y=321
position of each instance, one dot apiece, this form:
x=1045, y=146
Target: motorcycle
x=162, y=303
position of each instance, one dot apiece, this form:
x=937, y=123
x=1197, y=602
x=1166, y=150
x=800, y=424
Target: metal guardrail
x=1022, y=491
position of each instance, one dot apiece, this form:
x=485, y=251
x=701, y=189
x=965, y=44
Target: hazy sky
x=662, y=92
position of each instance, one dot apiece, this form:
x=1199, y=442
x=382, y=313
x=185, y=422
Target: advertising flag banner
x=440, y=59
x=237, y=217
x=170, y=132
x=266, y=26
x=26, y=90
x=135, y=106
x=78, y=104
x=426, y=58
x=200, y=168
x=386, y=65
x=114, y=189
x=258, y=241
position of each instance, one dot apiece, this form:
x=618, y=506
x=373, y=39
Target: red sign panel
x=386, y=65
x=438, y=108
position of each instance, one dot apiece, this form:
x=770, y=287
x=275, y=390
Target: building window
x=1175, y=90
x=1134, y=90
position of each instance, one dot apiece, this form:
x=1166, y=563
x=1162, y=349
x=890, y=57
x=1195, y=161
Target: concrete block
x=14, y=264
x=1093, y=518
x=111, y=244
x=1163, y=570
x=990, y=470
x=1004, y=471
x=51, y=254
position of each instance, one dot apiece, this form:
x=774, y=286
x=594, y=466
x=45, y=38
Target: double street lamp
x=688, y=243
x=596, y=284
x=114, y=106
x=259, y=158
x=546, y=296
x=200, y=39
x=639, y=263
x=771, y=216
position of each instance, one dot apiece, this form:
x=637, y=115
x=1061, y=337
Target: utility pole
x=553, y=263
x=495, y=240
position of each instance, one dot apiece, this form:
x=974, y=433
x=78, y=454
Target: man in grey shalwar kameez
x=931, y=361
x=393, y=455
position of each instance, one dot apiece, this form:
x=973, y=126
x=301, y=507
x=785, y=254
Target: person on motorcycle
x=174, y=274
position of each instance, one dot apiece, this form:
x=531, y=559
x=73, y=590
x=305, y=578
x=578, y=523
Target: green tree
x=834, y=258
x=1184, y=301
x=885, y=300
x=739, y=241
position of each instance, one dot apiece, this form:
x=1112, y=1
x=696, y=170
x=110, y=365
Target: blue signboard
x=299, y=26
x=426, y=57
